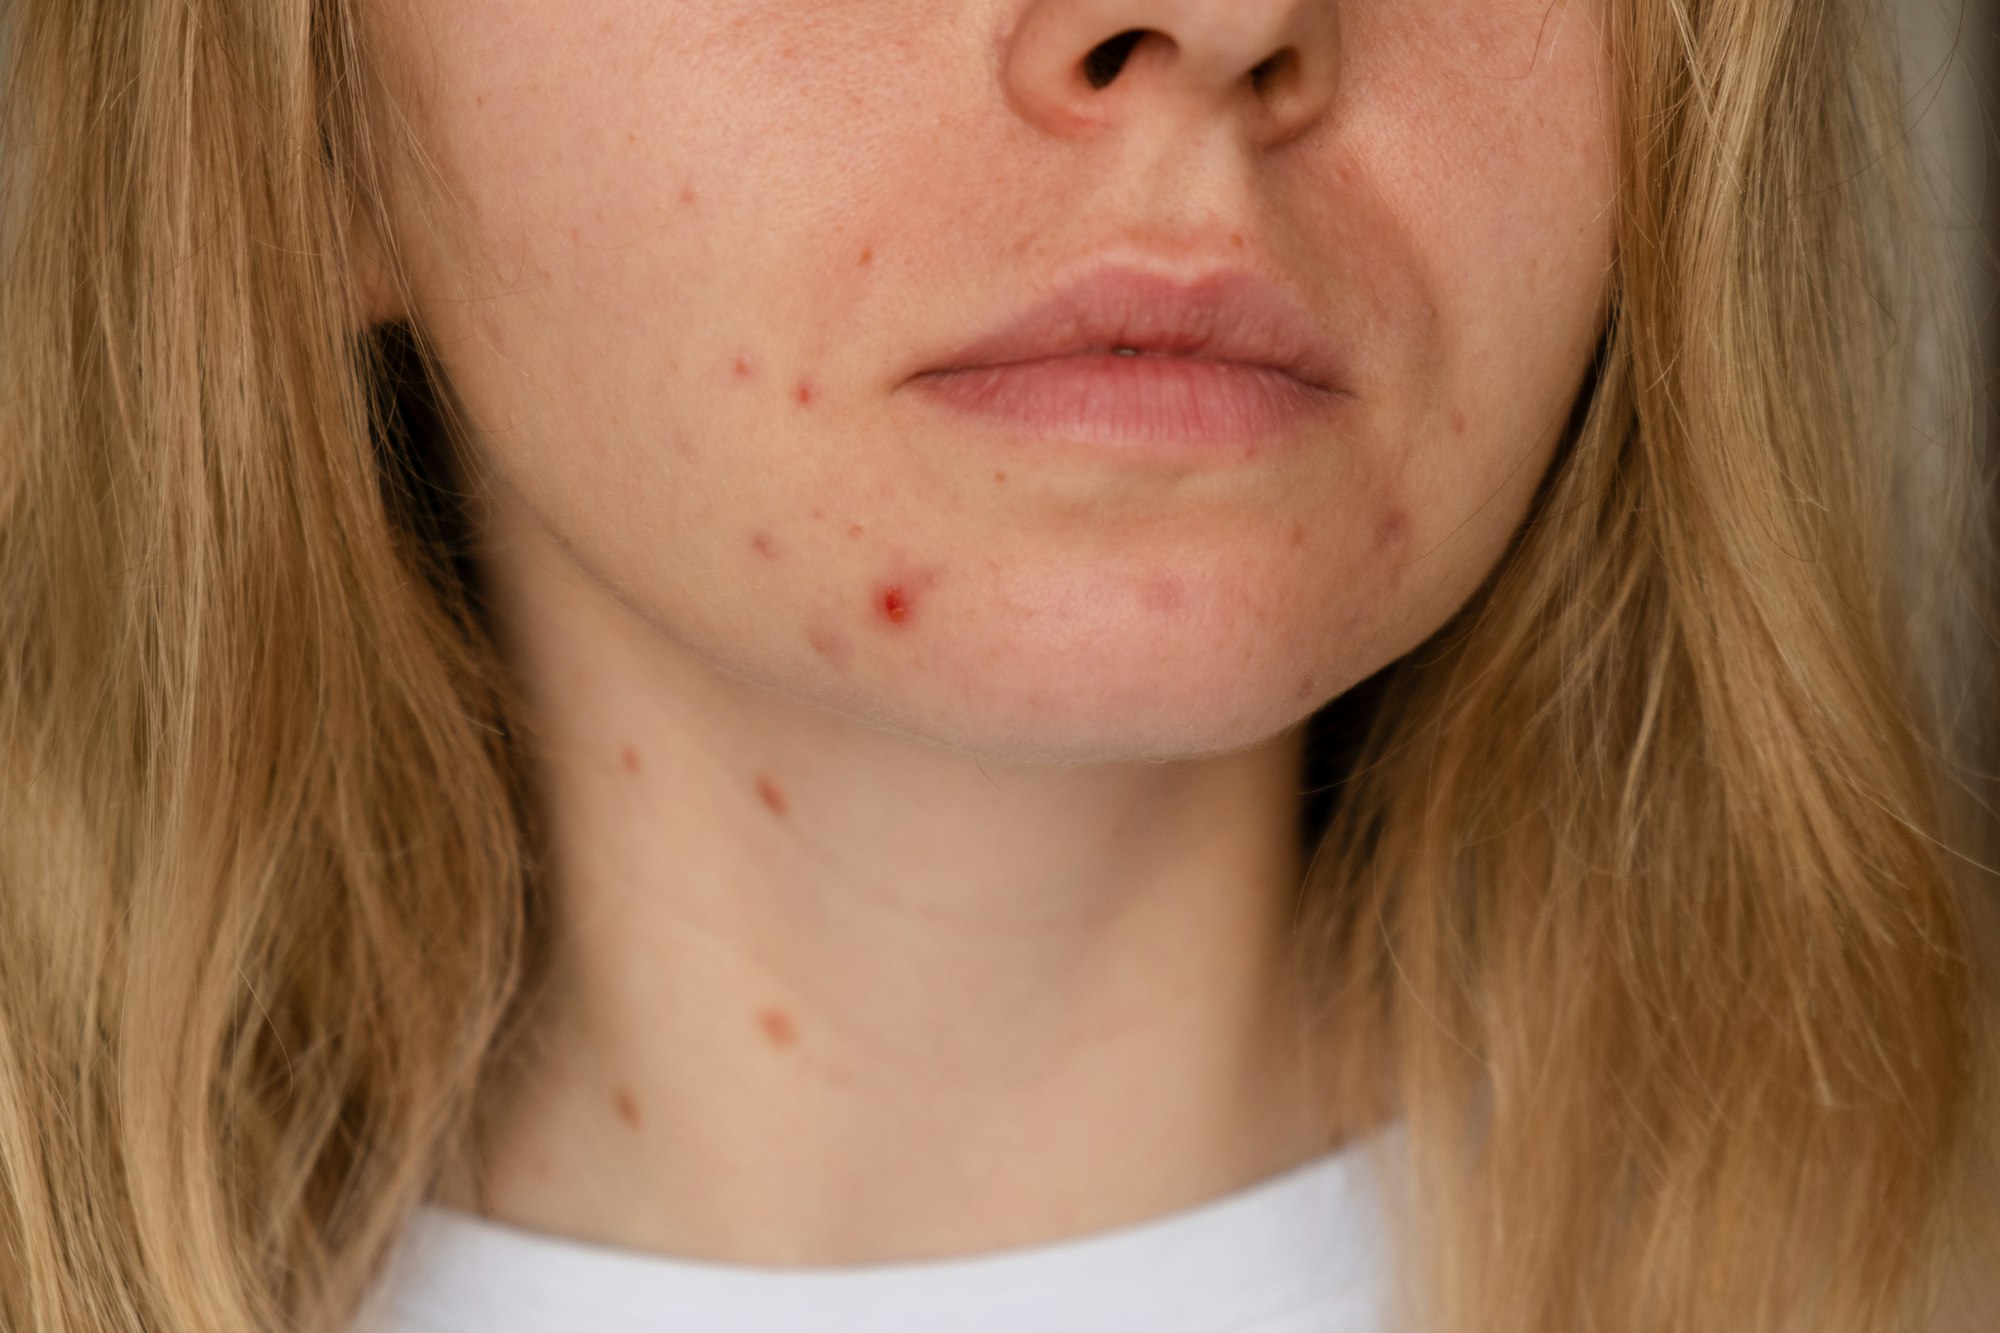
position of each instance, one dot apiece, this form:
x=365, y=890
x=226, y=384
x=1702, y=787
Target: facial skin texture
x=843, y=694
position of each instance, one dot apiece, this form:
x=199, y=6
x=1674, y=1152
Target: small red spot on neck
x=761, y=543
x=779, y=1029
x=773, y=796
x=867, y=255
x=805, y=394
x=745, y=368
x=627, y=1107
x=628, y=759
x=1000, y=478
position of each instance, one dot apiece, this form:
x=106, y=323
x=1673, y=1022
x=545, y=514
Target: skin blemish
x=745, y=367
x=1307, y=688
x=893, y=605
x=854, y=531
x=1392, y=529
x=867, y=256
x=818, y=514
x=761, y=543
x=805, y=393
x=688, y=196
x=773, y=796
x=779, y=1028
x=1000, y=479
x=627, y=1107
x=628, y=759
x=1298, y=534
x=1458, y=423
x=631, y=136
x=1160, y=593
x=828, y=644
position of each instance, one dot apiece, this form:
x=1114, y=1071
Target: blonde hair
x=1656, y=869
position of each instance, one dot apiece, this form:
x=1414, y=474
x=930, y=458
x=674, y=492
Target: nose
x=1073, y=67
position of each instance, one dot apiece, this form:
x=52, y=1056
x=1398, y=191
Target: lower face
x=685, y=265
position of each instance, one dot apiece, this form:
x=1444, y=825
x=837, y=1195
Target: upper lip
x=1229, y=316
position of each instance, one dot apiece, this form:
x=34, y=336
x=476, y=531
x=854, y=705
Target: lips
x=1227, y=317
x=1124, y=354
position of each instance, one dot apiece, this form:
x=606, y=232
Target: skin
x=922, y=794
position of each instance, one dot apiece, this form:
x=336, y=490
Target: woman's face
x=717, y=284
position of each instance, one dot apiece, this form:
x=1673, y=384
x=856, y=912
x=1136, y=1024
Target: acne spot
x=999, y=478
x=688, y=196
x=893, y=605
x=867, y=256
x=805, y=393
x=627, y=1107
x=631, y=136
x=773, y=796
x=828, y=644
x=1307, y=688
x=763, y=545
x=818, y=514
x=779, y=1028
x=1458, y=423
x=745, y=367
x=1236, y=241
x=1161, y=593
x=1392, y=529
x=854, y=531
x=479, y=99
x=575, y=236
x=1298, y=534
x=628, y=759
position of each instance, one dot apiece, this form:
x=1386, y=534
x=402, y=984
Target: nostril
x=1107, y=59
x=1271, y=75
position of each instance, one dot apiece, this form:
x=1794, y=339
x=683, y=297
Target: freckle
x=745, y=367
x=894, y=605
x=628, y=759
x=1000, y=478
x=761, y=543
x=867, y=255
x=1298, y=534
x=805, y=393
x=1458, y=423
x=773, y=796
x=779, y=1029
x=854, y=531
x=828, y=644
x=627, y=1105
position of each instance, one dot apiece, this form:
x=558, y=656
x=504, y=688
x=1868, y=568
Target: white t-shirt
x=1300, y=1252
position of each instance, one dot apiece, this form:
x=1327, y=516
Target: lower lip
x=1108, y=398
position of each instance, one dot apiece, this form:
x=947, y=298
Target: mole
x=773, y=796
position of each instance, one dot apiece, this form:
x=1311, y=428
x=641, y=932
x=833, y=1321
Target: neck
x=819, y=993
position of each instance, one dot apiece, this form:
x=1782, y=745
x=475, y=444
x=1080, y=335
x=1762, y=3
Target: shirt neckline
x=1306, y=1237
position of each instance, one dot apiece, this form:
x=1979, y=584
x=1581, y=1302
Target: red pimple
x=854, y=530
x=779, y=1029
x=688, y=195
x=867, y=255
x=1000, y=478
x=1458, y=423
x=773, y=796
x=805, y=393
x=761, y=543
x=745, y=367
x=818, y=513
x=627, y=1106
x=894, y=604
x=628, y=759
x=1298, y=534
